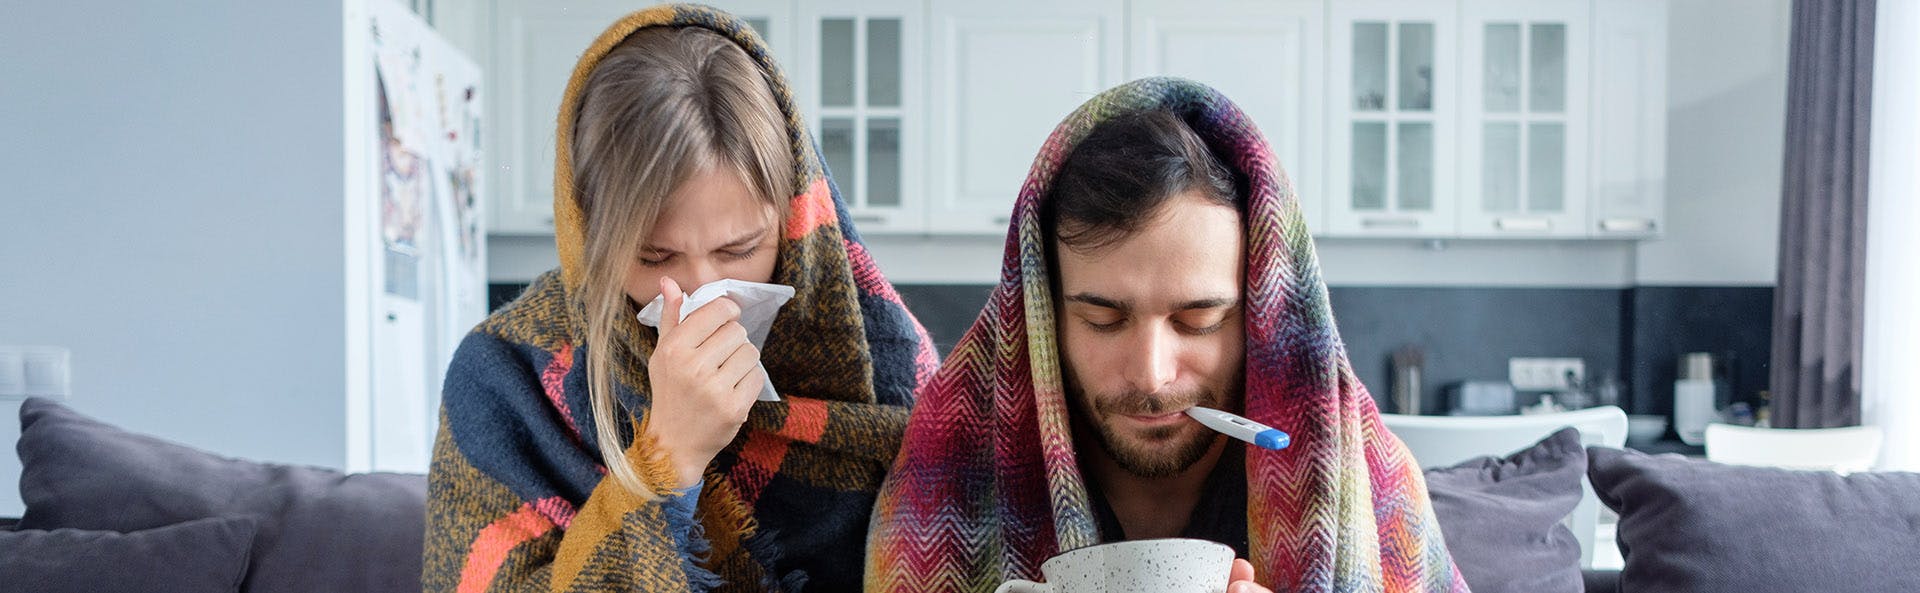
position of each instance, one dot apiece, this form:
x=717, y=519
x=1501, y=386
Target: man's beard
x=1157, y=452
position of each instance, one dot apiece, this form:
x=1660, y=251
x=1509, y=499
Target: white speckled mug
x=1141, y=566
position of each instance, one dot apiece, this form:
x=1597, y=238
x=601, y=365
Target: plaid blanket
x=987, y=486
x=519, y=499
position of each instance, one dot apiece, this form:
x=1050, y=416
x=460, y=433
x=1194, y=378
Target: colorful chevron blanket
x=987, y=485
x=519, y=496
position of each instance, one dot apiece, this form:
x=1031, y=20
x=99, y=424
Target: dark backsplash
x=1734, y=323
x=1468, y=333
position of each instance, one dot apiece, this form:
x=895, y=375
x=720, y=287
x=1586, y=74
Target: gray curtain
x=1823, y=216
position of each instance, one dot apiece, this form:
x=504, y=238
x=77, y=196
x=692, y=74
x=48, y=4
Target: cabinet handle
x=868, y=219
x=547, y=221
x=1390, y=223
x=1522, y=224
x=1002, y=220
x=1627, y=225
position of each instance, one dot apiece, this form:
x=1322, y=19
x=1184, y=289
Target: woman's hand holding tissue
x=704, y=375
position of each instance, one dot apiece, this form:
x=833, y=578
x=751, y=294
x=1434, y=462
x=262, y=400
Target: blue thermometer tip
x=1272, y=438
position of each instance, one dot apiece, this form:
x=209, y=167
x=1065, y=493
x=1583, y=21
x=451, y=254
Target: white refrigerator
x=419, y=117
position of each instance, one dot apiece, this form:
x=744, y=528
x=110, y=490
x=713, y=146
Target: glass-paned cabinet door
x=1524, y=124
x=1391, y=134
x=862, y=94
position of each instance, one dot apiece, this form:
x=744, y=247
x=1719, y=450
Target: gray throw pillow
x=319, y=530
x=1502, y=517
x=1693, y=525
x=193, y=557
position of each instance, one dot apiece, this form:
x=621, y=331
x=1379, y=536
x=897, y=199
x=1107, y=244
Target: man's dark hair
x=1123, y=173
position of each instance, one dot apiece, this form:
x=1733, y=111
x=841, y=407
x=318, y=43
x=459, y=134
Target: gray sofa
x=109, y=510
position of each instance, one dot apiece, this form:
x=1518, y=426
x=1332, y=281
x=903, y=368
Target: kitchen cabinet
x=1629, y=119
x=1524, y=73
x=1003, y=74
x=1394, y=118
x=1266, y=55
x=1393, y=107
x=859, y=82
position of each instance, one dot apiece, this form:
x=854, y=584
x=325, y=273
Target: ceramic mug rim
x=1076, y=552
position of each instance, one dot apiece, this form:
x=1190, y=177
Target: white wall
x=1892, y=339
x=172, y=211
x=1726, y=126
x=1727, y=75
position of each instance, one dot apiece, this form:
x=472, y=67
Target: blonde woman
x=582, y=451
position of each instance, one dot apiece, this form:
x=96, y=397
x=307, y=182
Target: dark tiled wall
x=1470, y=332
x=1735, y=323
x=946, y=309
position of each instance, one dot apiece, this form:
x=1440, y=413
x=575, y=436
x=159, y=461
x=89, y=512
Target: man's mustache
x=1143, y=403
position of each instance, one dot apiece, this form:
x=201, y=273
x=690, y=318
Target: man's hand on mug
x=1241, y=580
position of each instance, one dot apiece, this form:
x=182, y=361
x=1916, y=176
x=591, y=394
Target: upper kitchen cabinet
x=1393, y=107
x=1003, y=74
x=1629, y=118
x=1266, y=56
x=859, y=78
x=1537, y=119
x=1524, y=73
x=537, y=45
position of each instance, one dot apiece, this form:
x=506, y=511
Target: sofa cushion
x=196, y=556
x=1502, y=517
x=319, y=530
x=1693, y=525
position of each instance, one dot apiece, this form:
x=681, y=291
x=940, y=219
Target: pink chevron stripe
x=490, y=548
x=557, y=510
x=866, y=274
x=553, y=381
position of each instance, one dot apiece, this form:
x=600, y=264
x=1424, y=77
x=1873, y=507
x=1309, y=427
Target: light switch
x=48, y=372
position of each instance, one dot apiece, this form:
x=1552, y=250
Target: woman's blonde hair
x=664, y=105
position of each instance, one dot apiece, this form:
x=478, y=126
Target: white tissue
x=759, y=304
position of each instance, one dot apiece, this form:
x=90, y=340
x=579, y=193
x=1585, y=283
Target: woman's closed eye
x=739, y=254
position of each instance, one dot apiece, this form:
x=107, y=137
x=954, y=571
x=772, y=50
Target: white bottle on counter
x=1693, y=398
x=1693, y=409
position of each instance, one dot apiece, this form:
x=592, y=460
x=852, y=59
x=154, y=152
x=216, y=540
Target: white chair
x=1439, y=441
x=1844, y=450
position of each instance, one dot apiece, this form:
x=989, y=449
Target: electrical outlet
x=1546, y=374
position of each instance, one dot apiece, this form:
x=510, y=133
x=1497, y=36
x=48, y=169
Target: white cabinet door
x=1629, y=118
x=1004, y=73
x=1266, y=56
x=1392, y=104
x=538, y=44
x=859, y=67
x=1524, y=74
